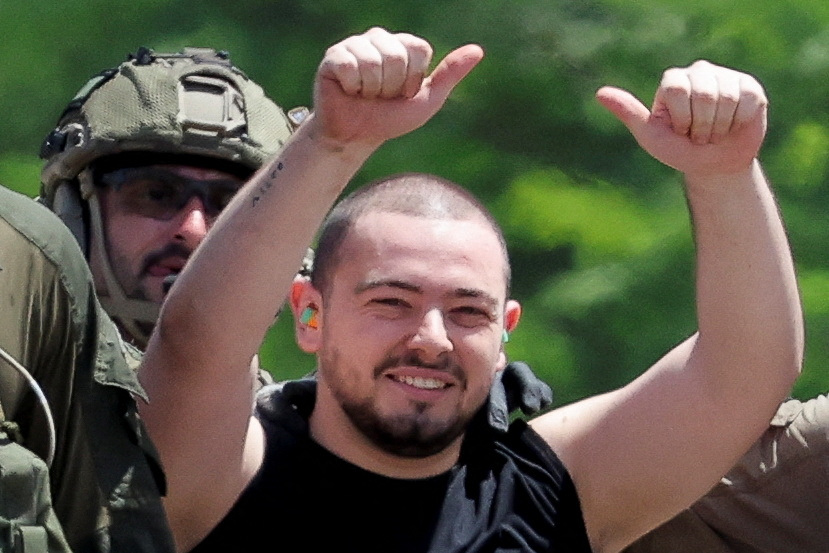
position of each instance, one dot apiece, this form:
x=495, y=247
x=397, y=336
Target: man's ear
x=306, y=306
x=296, y=293
x=512, y=314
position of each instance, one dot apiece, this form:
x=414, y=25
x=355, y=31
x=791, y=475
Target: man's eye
x=159, y=192
x=390, y=302
x=470, y=316
x=470, y=310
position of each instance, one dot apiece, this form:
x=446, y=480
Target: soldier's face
x=154, y=217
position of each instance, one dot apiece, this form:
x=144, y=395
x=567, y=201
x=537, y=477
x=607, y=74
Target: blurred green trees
x=598, y=231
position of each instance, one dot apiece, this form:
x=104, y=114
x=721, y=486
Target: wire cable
x=50, y=421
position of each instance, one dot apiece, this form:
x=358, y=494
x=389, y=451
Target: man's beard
x=416, y=434
x=134, y=286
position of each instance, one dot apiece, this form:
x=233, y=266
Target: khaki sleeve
x=37, y=330
x=775, y=499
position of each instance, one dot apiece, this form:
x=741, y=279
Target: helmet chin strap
x=129, y=312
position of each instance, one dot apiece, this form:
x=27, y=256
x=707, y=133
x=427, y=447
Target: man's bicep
x=202, y=430
x=641, y=453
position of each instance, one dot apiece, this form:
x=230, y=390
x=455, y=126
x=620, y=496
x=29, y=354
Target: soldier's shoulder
x=48, y=237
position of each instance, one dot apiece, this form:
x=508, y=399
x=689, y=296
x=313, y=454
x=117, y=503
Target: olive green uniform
x=106, y=479
x=775, y=500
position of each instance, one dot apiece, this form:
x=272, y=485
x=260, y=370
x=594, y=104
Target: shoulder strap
x=41, y=399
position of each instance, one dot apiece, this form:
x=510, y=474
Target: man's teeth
x=422, y=383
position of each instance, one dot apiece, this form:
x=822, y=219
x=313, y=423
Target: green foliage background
x=599, y=234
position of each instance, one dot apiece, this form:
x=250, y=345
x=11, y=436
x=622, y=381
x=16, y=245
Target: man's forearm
x=265, y=233
x=748, y=305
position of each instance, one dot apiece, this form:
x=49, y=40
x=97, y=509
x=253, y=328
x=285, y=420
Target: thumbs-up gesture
x=706, y=120
x=376, y=86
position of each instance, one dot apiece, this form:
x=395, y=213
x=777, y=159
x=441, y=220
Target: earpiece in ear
x=505, y=336
x=309, y=317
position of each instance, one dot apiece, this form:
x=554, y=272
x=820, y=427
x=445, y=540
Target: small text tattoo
x=267, y=185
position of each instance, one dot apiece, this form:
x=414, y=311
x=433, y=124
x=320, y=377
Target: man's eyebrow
x=485, y=297
x=409, y=287
x=390, y=283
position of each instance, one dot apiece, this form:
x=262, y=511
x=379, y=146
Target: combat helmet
x=191, y=103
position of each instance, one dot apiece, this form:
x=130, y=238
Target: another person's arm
x=774, y=499
x=641, y=453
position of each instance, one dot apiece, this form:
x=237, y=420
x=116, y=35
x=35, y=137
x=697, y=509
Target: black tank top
x=507, y=493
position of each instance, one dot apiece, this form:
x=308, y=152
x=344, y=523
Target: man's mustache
x=170, y=250
x=412, y=359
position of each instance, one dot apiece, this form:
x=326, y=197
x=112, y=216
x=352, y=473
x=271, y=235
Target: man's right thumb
x=453, y=68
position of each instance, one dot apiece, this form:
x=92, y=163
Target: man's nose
x=192, y=222
x=432, y=336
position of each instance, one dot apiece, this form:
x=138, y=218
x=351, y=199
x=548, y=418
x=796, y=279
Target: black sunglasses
x=160, y=193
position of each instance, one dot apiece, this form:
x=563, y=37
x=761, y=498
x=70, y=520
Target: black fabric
x=509, y=492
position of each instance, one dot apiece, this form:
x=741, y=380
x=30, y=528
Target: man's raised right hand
x=375, y=86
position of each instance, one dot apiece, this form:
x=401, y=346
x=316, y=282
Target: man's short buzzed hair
x=416, y=194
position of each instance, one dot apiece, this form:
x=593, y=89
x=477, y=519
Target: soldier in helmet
x=58, y=345
x=138, y=167
x=142, y=161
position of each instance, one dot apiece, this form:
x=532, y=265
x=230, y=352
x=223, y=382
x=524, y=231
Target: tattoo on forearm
x=268, y=184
